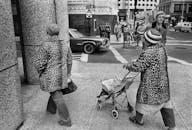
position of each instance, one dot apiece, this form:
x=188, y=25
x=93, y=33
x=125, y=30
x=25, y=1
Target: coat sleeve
x=69, y=61
x=41, y=59
x=142, y=63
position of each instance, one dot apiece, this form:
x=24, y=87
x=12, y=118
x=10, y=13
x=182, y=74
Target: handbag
x=72, y=87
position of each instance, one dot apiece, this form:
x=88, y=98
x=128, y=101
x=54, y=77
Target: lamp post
x=135, y=10
x=182, y=12
x=89, y=15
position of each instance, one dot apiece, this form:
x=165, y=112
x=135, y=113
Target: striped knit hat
x=159, y=13
x=152, y=36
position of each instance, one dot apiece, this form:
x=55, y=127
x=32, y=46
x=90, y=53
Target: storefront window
x=179, y=7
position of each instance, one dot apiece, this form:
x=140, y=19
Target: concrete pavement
x=82, y=103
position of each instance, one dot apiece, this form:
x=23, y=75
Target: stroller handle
x=125, y=77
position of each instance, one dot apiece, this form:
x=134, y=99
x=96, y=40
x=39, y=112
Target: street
x=179, y=49
x=89, y=70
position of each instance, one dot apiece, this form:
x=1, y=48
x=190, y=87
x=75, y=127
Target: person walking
x=159, y=25
x=107, y=30
x=126, y=36
x=117, y=31
x=53, y=63
x=153, y=94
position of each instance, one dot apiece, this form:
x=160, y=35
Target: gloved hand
x=127, y=66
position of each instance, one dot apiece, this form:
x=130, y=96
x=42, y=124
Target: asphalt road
x=179, y=47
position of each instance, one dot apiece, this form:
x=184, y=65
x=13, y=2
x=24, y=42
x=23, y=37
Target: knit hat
x=52, y=29
x=152, y=36
x=159, y=13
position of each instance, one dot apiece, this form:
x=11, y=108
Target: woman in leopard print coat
x=53, y=63
x=153, y=94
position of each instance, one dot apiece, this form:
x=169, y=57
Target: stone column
x=11, y=108
x=35, y=16
x=62, y=19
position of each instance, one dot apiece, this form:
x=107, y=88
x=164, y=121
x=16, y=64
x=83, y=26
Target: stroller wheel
x=99, y=106
x=115, y=114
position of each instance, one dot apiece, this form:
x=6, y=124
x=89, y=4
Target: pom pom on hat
x=152, y=36
x=52, y=29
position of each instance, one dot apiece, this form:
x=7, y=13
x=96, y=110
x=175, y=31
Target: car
x=87, y=44
x=183, y=27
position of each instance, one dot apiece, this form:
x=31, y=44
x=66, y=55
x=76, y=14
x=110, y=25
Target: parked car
x=183, y=27
x=87, y=44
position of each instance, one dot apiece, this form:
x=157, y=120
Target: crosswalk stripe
x=76, y=56
x=80, y=57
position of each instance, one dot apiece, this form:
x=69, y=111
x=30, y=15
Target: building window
x=139, y=4
x=179, y=7
x=147, y=4
x=156, y=0
x=119, y=5
x=151, y=4
x=143, y=4
x=151, y=0
x=190, y=8
x=130, y=4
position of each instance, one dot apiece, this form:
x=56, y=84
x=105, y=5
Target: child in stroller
x=113, y=88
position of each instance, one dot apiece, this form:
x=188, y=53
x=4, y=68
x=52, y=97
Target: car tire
x=89, y=48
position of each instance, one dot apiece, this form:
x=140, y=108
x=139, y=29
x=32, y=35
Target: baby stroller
x=113, y=88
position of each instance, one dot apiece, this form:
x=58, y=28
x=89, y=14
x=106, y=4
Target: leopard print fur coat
x=53, y=63
x=154, y=84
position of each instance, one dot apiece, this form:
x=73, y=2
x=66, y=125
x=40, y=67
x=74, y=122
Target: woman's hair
x=154, y=24
x=52, y=29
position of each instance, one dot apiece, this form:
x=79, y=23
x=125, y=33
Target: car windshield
x=76, y=34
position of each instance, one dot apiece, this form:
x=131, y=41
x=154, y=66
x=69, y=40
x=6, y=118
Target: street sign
x=89, y=14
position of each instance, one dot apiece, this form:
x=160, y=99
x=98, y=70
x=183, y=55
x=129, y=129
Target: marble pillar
x=62, y=19
x=11, y=107
x=35, y=16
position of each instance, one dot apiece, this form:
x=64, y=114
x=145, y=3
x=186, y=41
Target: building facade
x=100, y=12
x=177, y=9
x=126, y=7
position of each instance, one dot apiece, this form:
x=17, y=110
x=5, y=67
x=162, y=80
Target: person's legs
x=51, y=106
x=62, y=108
x=168, y=115
x=137, y=119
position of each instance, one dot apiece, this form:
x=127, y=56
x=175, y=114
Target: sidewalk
x=82, y=103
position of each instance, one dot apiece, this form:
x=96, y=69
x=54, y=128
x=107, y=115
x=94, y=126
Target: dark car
x=87, y=44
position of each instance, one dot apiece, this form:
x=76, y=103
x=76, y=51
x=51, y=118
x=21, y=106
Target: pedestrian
x=53, y=63
x=153, y=94
x=108, y=30
x=102, y=30
x=117, y=30
x=139, y=29
x=126, y=36
x=159, y=24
